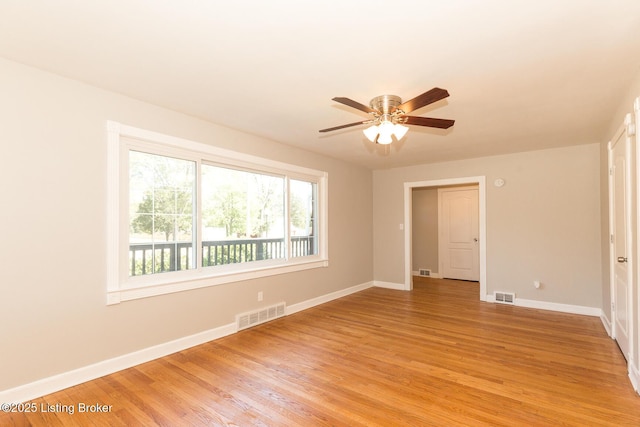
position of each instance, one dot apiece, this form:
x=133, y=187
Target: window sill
x=167, y=283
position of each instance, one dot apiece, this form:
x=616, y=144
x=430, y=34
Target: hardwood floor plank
x=380, y=357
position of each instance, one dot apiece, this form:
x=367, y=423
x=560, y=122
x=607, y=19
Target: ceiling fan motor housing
x=385, y=103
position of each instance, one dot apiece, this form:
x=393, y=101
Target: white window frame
x=120, y=287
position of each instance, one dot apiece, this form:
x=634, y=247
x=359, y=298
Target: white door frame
x=630, y=238
x=634, y=367
x=482, y=217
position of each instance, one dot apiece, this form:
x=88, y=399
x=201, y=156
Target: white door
x=620, y=224
x=458, y=233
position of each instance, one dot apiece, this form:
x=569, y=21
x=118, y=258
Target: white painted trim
x=553, y=306
x=408, y=235
x=433, y=275
x=195, y=282
x=611, y=248
x=606, y=323
x=113, y=211
x=294, y=308
x=77, y=376
x=564, y=308
x=64, y=380
x=120, y=287
x=389, y=285
x=631, y=232
x=631, y=237
x=634, y=376
x=482, y=218
x=634, y=367
x=238, y=158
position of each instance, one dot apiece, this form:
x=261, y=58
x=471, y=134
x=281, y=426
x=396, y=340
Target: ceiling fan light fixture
x=381, y=134
x=399, y=131
x=385, y=129
x=384, y=139
x=371, y=132
x=389, y=114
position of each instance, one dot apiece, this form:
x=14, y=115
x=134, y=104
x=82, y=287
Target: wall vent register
x=505, y=297
x=253, y=318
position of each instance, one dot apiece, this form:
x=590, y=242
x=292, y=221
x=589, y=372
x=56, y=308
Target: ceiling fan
x=390, y=114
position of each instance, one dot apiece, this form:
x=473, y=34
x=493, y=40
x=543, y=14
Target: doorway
x=479, y=183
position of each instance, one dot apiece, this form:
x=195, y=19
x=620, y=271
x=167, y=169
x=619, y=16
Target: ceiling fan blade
x=428, y=121
x=429, y=97
x=354, y=104
x=345, y=126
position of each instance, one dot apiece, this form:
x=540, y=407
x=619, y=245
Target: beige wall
x=425, y=229
x=53, y=251
x=544, y=224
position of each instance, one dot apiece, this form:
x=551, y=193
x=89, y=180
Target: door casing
x=622, y=136
x=480, y=181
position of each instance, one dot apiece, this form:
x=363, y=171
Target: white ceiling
x=522, y=74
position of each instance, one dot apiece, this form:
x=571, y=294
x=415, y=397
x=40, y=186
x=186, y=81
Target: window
x=243, y=216
x=184, y=215
x=161, y=214
x=303, y=196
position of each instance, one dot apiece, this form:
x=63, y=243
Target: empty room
x=339, y=213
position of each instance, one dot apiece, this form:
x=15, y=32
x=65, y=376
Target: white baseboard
x=632, y=369
x=433, y=274
x=389, y=285
x=552, y=306
x=326, y=298
x=634, y=376
x=564, y=308
x=59, y=382
x=606, y=323
x=64, y=380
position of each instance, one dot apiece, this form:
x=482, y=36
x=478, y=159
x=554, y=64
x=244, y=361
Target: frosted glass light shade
x=386, y=130
x=400, y=131
x=384, y=139
x=371, y=132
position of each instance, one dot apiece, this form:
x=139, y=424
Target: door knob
x=622, y=259
x=475, y=239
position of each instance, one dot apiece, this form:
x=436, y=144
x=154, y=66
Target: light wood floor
x=433, y=356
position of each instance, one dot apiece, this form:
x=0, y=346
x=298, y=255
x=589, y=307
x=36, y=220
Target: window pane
x=303, y=218
x=161, y=212
x=242, y=216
